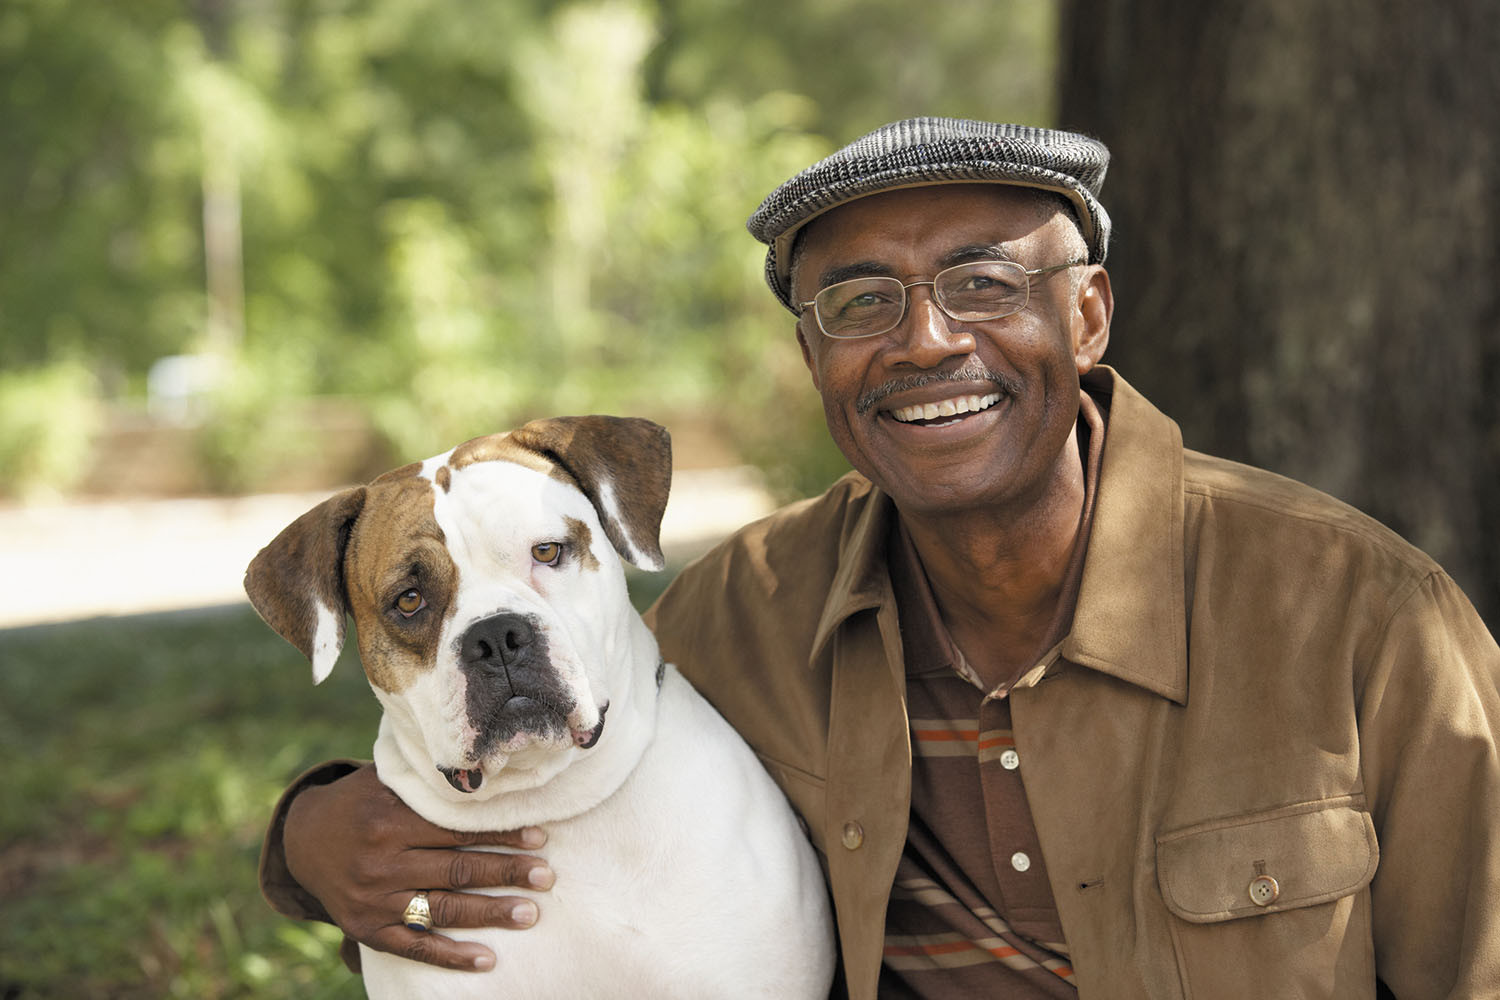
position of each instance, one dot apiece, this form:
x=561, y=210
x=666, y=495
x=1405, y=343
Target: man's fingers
x=455, y=909
x=476, y=870
x=467, y=909
x=433, y=949
x=528, y=838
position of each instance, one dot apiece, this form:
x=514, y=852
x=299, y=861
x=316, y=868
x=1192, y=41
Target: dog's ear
x=623, y=465
x=297, y=582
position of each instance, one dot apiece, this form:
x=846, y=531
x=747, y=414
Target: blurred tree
x=1306, y=199
x=99, y=238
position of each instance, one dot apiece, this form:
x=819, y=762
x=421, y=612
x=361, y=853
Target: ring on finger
x=418, y=914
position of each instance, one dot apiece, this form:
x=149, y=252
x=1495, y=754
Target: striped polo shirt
x=972, y=912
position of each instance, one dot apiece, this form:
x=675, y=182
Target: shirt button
x=1010, y=760
x=854, y=835
x=1019, y=861
x=1264, y=890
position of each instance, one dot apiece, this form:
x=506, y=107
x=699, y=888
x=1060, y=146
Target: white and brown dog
x=521, y=688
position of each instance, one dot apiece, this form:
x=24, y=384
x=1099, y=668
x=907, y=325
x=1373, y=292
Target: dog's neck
x=519, y=799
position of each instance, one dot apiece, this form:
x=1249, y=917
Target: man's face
x=1023, y=368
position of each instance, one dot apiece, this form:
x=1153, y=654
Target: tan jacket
x=1262, y=763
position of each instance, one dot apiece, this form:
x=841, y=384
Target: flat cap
x=924, y=151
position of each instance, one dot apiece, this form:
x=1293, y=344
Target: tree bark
x=1306, y=201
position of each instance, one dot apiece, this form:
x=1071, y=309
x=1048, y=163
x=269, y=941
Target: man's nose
x=926, y=336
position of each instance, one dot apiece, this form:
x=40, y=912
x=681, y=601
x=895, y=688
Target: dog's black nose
x=499, y=640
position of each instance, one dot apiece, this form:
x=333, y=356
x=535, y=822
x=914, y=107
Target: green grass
x=142, y=757
x=139, y=761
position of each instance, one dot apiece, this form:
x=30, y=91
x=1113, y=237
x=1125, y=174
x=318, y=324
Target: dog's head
x=486, y=588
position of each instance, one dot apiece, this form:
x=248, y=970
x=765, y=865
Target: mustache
x=972, y=370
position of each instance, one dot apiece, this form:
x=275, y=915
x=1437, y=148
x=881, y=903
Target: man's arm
x=343, y=848
x=1429, y=705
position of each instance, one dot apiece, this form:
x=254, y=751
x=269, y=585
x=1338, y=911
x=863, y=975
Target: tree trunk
x=1306, y=201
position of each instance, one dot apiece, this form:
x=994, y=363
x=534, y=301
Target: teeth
x=946, y=408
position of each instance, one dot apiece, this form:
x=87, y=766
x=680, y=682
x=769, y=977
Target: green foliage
x=462, y=220
x=863, y=62
x=100, y=240
x=48, y=416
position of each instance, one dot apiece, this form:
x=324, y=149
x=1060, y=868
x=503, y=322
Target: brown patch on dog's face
x=580, y=542
x=444, y=478
x=400, y=579
x=408, y=471
x=499, y=448
x=622, y=464
x=523, y=450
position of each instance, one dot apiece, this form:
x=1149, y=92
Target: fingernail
x=524, y=913
x=533, y=836
x=484, y=963
x=541, y=877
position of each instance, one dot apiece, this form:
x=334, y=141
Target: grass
x=141, y=758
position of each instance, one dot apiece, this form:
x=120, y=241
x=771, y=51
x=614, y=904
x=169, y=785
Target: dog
x=519, y=687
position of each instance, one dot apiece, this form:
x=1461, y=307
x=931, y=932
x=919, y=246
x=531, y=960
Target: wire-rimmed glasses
x=970, y=293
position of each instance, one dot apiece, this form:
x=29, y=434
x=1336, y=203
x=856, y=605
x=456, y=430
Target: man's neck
x=997, y=576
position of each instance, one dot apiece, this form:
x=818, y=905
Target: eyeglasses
x=970, y=293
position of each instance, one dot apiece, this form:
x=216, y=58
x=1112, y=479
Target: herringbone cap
x=924, y=151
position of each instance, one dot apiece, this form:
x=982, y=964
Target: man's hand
x=363, y=854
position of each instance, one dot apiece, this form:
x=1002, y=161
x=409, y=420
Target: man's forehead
x=944, y=224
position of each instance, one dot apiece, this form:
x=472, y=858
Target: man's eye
x=410, y=602
x=864, y=302
x=547, y=553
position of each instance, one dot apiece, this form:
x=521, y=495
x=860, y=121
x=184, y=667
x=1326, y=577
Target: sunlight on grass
x=143, y=757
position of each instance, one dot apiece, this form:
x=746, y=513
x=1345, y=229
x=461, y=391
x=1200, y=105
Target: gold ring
x=418, y=915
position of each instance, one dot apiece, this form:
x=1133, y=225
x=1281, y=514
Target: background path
x=117, y=557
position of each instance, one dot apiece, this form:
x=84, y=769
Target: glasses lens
x=985, y=289
x=862, y=307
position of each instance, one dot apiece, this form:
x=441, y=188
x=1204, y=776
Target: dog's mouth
x=586, y=738
x=465, y=779
x=469, y=779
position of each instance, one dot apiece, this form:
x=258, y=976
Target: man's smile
x=955, y=406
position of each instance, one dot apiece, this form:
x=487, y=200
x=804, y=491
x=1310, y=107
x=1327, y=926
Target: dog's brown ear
x=297, y=582
x=623, y=465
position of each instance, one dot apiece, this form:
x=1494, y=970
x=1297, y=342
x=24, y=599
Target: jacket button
x=1264, y=890
x=854, y=835
x=1010, y=760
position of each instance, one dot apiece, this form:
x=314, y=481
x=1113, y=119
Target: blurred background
x=252, y=250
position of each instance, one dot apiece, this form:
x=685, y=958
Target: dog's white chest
x=691, y=881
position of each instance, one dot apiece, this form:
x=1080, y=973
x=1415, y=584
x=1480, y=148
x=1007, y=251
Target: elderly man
x=1068, y=709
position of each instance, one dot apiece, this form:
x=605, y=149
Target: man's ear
x=296, y=583
x=623, y=465
x=1094, y=307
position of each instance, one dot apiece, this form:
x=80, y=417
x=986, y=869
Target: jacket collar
x=862, y=581
x=1131, y=619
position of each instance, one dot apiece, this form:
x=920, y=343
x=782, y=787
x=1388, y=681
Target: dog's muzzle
x=513, y=691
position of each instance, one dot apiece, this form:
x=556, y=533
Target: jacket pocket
x=1273, y=903
x=1267, y=862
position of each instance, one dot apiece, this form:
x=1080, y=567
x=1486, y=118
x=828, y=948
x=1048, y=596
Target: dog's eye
x=410, y=602
x=547, y=553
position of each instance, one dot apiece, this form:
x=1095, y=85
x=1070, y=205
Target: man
x=1068, y=710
